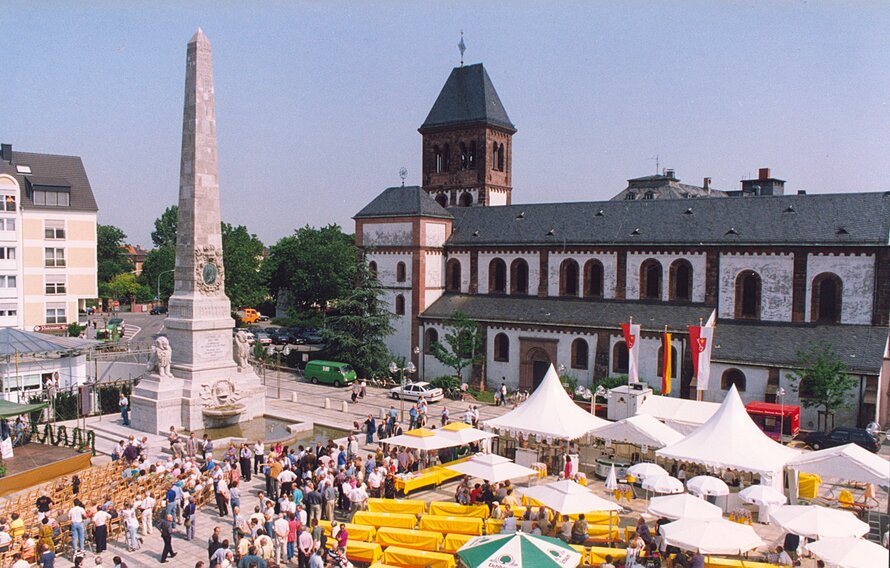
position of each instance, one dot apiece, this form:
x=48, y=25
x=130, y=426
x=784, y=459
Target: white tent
x=421, y=439
x=850, y=552
x=640, y=430
x=684, y=416
x=731, y=440
x=549, y=413
x=462, y=433
x=684, y=506
x=814, y=521
x=848, y=462
x=568, y=498
x=715, y=536
x=492, y=467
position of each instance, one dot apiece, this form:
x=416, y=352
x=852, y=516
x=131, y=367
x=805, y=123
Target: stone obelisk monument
x=203, y=385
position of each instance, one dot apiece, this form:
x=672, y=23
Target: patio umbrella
x=612, y=479
x=707, y=485
x=684, y=506
x=462, y=433
x=663, y=484
x=850, y=552
x=516, y=550
x=492, y=467
x=646, y=469
x=814, y=521
x=717, y=536
x=421, y=439
x=763, y=495
x=570, y=498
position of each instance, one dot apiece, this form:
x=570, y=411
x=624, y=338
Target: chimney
x=669, y=174
x=706, y=184
x=6, y=152
x=763, y=173
x=801, y=192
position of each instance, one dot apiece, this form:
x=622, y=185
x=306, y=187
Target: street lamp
x=158, y=296
x=393, y=369
x=601, y=392
x=781, y=395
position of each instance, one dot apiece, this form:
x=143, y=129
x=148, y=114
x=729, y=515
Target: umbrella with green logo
x=517, y=549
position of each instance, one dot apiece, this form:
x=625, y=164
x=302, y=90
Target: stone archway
x=537, y=356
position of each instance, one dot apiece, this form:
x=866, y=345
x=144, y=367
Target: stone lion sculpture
x=241, y=350
x=161, y=356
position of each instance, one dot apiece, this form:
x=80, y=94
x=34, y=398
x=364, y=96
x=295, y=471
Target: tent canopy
x=462, y=433
x=421, y=439
x=640, y=430
x=492, y=467
x=9, y=409
x=682, y=415
x=549, y=412
x=848, y=462
x=568, y=498
x=731, y=440
x=16, y=341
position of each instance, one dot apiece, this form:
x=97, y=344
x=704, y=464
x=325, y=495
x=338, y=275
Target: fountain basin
x=222, y=416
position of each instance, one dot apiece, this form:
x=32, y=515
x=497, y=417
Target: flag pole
x=701, y=323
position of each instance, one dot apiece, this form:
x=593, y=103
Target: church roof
x=568, y=312
x=403, y=202
x=822, y=219
x=468, y=97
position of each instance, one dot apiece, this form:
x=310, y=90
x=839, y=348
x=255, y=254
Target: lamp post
x=286, y=350
x=781, y=395
x=159, y=282
x=393, y=369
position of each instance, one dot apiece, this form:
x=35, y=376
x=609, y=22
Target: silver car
x=413, y=391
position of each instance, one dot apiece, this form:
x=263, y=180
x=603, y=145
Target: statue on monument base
x=161, y=356
x=241, y=350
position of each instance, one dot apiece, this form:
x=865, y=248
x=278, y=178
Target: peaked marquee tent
x=684, y=416
x=548, y=413
x=731, y=440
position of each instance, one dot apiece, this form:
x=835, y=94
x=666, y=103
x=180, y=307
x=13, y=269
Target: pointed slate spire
x=468, y=97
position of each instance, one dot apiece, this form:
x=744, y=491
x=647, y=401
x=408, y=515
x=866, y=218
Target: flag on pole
x=666, y=365
x=701, y=339
x=632, y=339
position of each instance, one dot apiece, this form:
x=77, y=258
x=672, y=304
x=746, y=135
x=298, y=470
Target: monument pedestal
x=156, y=404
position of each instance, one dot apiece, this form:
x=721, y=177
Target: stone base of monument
x=156, y=404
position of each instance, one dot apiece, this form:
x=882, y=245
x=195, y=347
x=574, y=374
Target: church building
x=551, y=283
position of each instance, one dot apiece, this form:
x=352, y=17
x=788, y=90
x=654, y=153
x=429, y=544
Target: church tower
x=468, y=143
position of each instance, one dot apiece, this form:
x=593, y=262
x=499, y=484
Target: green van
x=329, y=372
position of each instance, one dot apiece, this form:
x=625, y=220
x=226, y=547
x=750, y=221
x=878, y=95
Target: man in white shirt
x=259, y=450
x=375, y=479
x=148, y=505
x=76, y=515
x=280, y=527
x=100, y=529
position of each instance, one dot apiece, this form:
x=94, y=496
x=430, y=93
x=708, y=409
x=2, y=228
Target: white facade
x=387, y=234
x=510, y=369
x=635, y=259
x=25, y=378
x=609, y=261
x=776, y=273
x=857, y=273
x=648, y=361
x=485, y=258
x=11, y=281
x=434, y=268
x=464, y=259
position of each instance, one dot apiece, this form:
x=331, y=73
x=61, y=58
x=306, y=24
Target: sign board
x=51, y=327
x=6, y=448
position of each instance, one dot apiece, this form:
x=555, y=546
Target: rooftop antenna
x=403, y=173
x=462, y=47
x=657, y=164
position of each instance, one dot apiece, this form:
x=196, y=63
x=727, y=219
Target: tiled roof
x=821, y=219
x=52, y=170
x=403, y=202
x=566, y=312
x=468, y=97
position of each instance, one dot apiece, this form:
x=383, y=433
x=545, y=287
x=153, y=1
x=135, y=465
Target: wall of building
x=434, y=277
x=387, y=234
x=776, y=275
x=648, y=361
x=531, y=258
x=635, y=259
x=25, y=379
x=510, y=369
x=609, y=261
x=399, y=342
x=857, y=273
x=464, y=259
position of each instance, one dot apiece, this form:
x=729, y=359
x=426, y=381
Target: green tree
x=123, y=286
x=312, y=266
x=822, y=380
x=165, y=228
x=464, y=344
x=109, y=252
x=357, y=325
x=159, y=262
x=242, y=257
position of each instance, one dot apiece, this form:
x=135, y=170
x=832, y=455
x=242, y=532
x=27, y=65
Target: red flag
x=631, y=335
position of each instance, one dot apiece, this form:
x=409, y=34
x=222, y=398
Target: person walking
x=100, y=530
x=305, y=544
x=370, y=429
x=76, y=515
x=190, y=512
x=259, y=451
x=244, y=459
x=503, y=393
x=131, y=523
x=167, y=536
x=124, y=404
x=148, y=505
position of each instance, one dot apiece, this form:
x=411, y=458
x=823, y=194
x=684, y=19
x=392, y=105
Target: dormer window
x=50, y=192
x=630, y=197
x=649, y=195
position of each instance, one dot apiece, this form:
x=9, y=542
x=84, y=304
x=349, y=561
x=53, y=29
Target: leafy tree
x=109, y=252
x=312, y=267
x=157, y=263
x=165, y=228
x=123, y=286
x=358, y=324
x=464, y=344
x=822, y=380
x=242, y=257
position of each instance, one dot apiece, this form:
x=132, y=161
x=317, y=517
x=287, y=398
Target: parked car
x=250, y=336
x=158, y=311
x=280, y=336
x=413, y=391
x=263, y=337
x=311, y=336
x=329, y=372
x=840, y=436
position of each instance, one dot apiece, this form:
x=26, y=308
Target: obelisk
x=199, y=323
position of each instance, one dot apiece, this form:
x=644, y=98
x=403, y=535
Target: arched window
x=630, y=196
x=650, y=280
x=494, y=155
x=400, y=305
x=825, y=303
x=372, y=270
x=747, y=295
x=442, y=200
x=593, y=279
x=501, y=347
x=519, y=277
x=466, y=199
x=497, y=277
x=464, y=158
x=429, y=338
x=568, y=278
x=452, y=275
x=733, y=377
x=471, y=157
x=681, y=280
x=580, y=354
x=400, y=272
x=649, y=195
x=438, y=163
x=620, y=358
x=673, y=361
x=446, y=158
x=501, y=158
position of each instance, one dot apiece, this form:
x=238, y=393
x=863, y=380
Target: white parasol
x=707, y=485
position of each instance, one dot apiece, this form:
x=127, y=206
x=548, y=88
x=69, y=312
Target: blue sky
x=318, y=103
